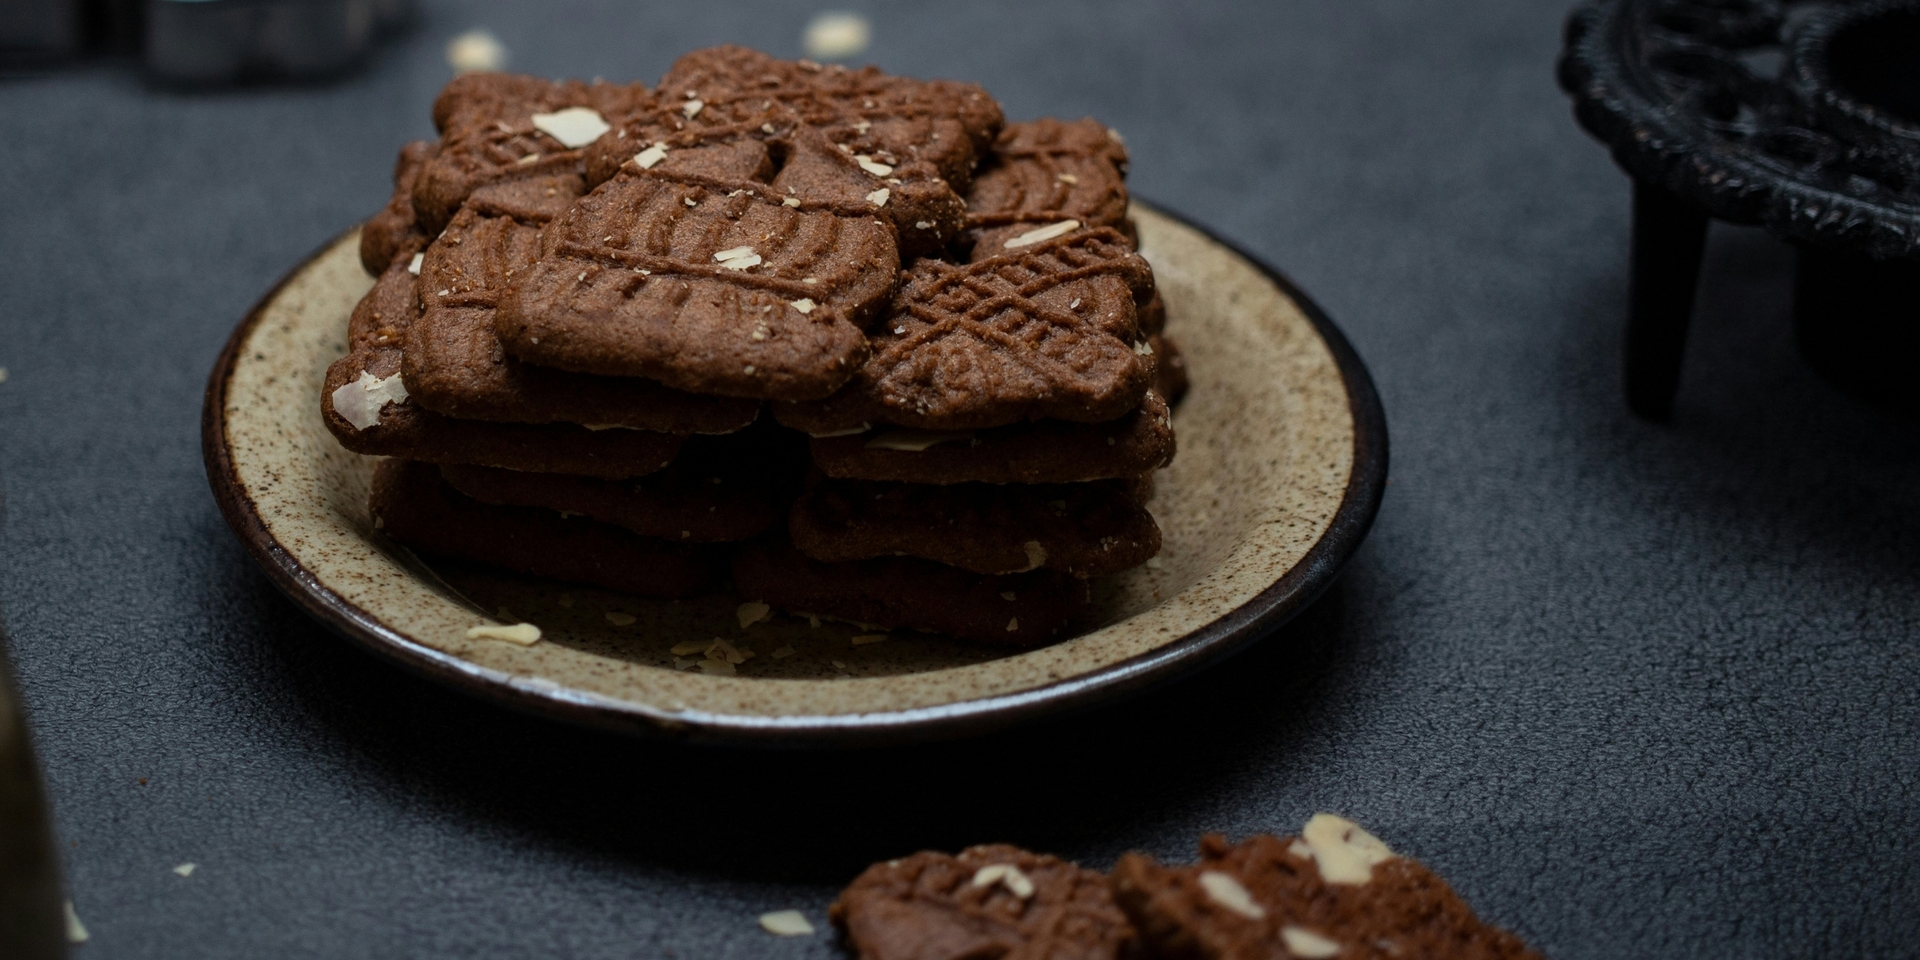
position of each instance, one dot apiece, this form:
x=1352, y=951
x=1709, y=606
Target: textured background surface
x=1636, y=690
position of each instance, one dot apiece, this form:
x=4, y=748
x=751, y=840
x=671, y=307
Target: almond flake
x=692, y=108
x=786, y=923
x=650, y=156
x=574, y=127
x=185, y=869
x=791, y=202
x=914, y=441
x=1041, y=234
x=804, y=304
x=1226, y=891
x=1036, y=554
x=529, y=158
x=1307, y=945
x=1067, y=178
x=923, y=224
x=76, y=931
x=1143, y=349
x=687, y=647
x=360, y=402
x=752, y=612
x=1009, y=595
x=1346, y=854
x=1006, y=875
x=809, y=280
x=475, y=51
x=863, y=126
x=1013, y=624
x=866, y=638
x=873, y=166
x=413, y=266
x=766, y=128
x=524, y=634
x=722, y=650
x=848, y=432
x=691, y=202
x=619, y=619
x=717, y=667
x=1075, y=305
x=879, y=197
x=781, y=653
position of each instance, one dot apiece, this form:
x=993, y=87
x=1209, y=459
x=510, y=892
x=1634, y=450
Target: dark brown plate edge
x=1254, y=620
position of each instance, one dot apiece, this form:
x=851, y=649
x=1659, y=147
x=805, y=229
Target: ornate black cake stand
x=1800, y=117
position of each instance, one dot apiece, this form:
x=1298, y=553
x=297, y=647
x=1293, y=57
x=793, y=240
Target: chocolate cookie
x=365, y=403
x=1085, y=529
x=1335, y=891
x=1036, y=451
x=993, y=901
x=718, y=489
x=498, y=126
x=1021, y=610
x=842, y=135
x=1044, y=173
x=411, y=504
x=453, y=360
x=392, y=233
x=709, y=285
x=1170, y=370
x=1047, y=332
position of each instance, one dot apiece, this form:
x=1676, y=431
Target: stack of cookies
x=847, y=337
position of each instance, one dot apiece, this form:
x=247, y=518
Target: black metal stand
x=1668, y=237
x=1858, y=323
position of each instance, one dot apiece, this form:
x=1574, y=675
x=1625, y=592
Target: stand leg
x=1668, y=236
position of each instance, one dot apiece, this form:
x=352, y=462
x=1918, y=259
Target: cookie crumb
x=524, y=634
x=836, y=35
x=1308, y=945
x=619, y=619
x=786, y=923
x=566, y=600
x=1226, y=891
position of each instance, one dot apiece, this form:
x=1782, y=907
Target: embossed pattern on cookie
x=1043, y=173
x=1047, y=332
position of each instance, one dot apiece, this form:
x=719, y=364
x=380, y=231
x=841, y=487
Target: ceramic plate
x=1282, y=461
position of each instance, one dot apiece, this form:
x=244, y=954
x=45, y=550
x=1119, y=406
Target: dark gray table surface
x=1636, y=690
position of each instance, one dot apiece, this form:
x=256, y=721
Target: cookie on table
x=453, y=360
x=1170, y=372
x=1020, y=610
x=1044, y=173
x=1333, y=891
x=365, y=404
x=411, y=504
x=1046, y=332
x=1084, y=529
x=393, y=232
x=711, y=285
x=1035, y=451
x=994, y=901
x=499, y=126
x=842, y=135
x=719, y=489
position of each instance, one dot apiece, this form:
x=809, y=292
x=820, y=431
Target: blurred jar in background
x=202, y=41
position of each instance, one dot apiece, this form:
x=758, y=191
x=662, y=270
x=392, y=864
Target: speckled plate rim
x=1226, y=634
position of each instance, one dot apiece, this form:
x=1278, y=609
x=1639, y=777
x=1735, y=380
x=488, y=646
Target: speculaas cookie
x=365, y=404
x=906, y=145
x=1334, y=891
x=1046, y=332
x=710, y=285
x=411, y=504
x=1042, y=176
x=1085, y=529
x=1021, y=610
x=392, y=233
x=1170, y=378
x=498, y=126
x=1036, y=451
x=995, y=901
x=719, y=489
x=454, y=363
